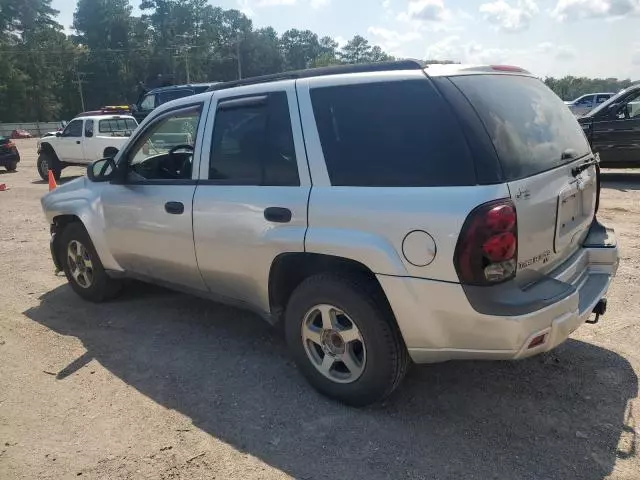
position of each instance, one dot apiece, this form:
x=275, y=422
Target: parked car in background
x=152, y=99
x=585, y=103
x=20, y=133
x=459, y=223
x=613, y=129
x=9, y=156
x=82, y=141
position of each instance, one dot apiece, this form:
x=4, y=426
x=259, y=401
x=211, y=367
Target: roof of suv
x=430, y=69
x=187, y=85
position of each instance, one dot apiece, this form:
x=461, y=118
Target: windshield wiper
x=575, y=171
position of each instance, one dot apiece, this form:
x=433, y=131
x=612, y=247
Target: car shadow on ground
x=7, y=172
x=561, y=415
x=623, y=181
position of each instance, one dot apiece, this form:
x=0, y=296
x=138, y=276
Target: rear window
x=392, y=134
x=173, y=95
x=531, y=128
x=117, y=125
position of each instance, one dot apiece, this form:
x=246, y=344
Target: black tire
x=45, y=162
x=11, y=166
x=360, y=299
x=101, y=287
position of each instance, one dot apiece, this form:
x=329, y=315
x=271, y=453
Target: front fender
x=81, y=199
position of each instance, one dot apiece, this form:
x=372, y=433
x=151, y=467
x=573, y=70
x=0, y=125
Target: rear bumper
x=439, y=323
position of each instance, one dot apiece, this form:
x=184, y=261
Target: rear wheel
x=12, y=166
x=344, y=339
x=82, y=266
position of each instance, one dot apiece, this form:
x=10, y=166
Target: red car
x=19, y=133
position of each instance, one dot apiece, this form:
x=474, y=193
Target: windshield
x=614, y=99
x=531, y=129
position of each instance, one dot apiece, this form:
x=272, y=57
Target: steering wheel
x=186, y=146
x=175, y=174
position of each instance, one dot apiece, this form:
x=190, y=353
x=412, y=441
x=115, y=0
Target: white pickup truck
x=84, y=140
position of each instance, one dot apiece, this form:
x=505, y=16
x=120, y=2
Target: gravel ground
x=159, y=385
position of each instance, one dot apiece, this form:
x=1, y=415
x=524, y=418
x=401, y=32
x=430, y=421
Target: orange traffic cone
x=52, y=181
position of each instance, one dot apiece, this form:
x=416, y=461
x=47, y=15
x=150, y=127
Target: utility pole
x=185, y=48
x=239, y=59
x=186, y=63
x=79, y=82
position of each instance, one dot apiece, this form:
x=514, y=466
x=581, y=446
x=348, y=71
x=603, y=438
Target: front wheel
x=344, y=339
x=82, y=266
x=46, y=162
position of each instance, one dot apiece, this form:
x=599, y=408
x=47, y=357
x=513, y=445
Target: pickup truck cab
x=83, y=140
x=613, y=129
x=586, y=103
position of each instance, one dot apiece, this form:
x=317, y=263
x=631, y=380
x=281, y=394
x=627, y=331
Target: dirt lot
x=159, y=385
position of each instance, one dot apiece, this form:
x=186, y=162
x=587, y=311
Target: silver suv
x=386, y=214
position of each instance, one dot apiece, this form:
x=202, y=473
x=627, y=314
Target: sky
x=594, y=38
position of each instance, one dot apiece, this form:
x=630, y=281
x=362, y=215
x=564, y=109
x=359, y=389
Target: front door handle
x=175, y=208
x=78, y=142
x=277, y=214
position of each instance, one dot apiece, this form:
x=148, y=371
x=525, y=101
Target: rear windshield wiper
x=575, y=171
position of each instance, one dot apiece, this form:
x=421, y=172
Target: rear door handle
x=277, y=214
x=175, y=208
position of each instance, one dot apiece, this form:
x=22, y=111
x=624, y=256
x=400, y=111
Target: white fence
x=34, y=128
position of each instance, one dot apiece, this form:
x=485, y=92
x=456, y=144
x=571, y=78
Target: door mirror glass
x=101, y=170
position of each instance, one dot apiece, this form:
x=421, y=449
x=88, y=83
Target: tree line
x=112, y=54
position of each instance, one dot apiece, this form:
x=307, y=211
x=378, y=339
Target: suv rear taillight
x=487, y=248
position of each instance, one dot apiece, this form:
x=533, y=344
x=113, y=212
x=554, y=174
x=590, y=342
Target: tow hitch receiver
x=599, y=309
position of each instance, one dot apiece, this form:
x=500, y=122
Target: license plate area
x=575, y=211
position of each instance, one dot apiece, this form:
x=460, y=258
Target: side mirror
x=133, y=108
x=101, y=170
x=88, y=134
x=58, y=134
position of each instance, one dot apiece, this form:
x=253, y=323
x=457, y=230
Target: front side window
x=148, y=103
x=630, y=109
x=74, y=129
x=602, y=98
x=585, y=101
x=165, y=149
x=253, y=143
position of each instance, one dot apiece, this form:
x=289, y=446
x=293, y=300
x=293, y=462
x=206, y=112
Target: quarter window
x=392, y=134
x=88, y=128
x=253, y=143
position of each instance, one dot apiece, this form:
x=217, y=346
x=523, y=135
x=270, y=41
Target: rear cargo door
x=544, y=157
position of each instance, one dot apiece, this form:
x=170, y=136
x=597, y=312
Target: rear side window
x=253, y=143
x=392, y=134
x=117, y=125
x=530, y=127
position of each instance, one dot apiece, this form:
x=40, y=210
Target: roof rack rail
x=322, y=71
